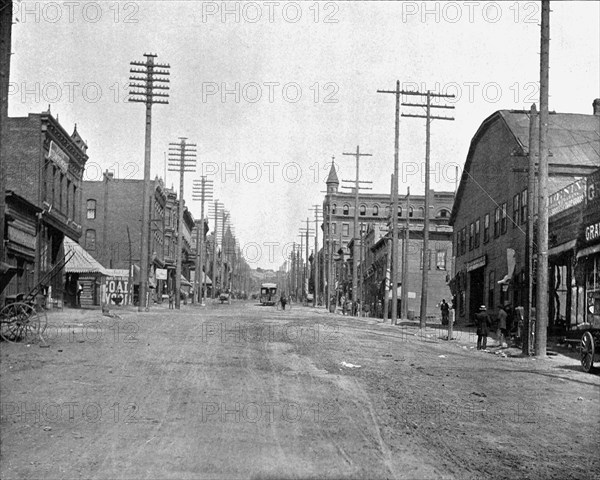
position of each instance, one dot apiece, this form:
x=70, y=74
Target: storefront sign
x=58, y=156
x=21, y=237
x=116, y=290
x=476, y=263
x=161, y=273
x=592, y=232
x=567, y=197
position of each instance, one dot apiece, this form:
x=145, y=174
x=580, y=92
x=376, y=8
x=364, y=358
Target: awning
x=588, y=251
x=562, y=248
x=185, y=282
x=80, y=261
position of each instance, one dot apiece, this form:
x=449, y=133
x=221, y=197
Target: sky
x=271, y=91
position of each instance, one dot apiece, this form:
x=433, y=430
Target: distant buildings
x=374, y=218
x=112, y=226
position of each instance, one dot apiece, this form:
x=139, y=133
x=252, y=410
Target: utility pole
x=317, y=263
x=426, y=255
x=144, y=89
x=404, y=293
x=216, y=210
x=203, y=191
x=542, y=267
x=394, y=252
x=5, y=53
x=304, y=233
x=224, y=218
x=355, y=246
x=182, y=158
x=531, y=214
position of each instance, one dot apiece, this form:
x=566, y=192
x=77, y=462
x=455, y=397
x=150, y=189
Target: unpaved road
x=243, y=391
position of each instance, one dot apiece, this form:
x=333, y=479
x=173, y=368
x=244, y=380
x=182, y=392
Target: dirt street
x=243, y=391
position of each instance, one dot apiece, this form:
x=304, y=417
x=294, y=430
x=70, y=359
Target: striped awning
x=81, y=261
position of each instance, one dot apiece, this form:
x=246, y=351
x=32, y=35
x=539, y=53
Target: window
x=492, y=280
x=463, y=241
x=90, y=239
x=399, y=210
x=333, y=209
x=410, y=212
x=91, y=209
x=457, y=250
x=486, y=228
x=345, y=229
x=516, y=209
x=497, y=221
x=375, y=210
x=444, y=214
x=524, y=212
x=363, y=210
x=503, y=220
x=477, y=234
x=333, y=228
x=346, y=209
x=440, y=260
x=422, y=212
x=471, y=235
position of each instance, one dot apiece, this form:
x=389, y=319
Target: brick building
x=44, y=167
x=490, y=213
x=112, y=229
x=374, y=218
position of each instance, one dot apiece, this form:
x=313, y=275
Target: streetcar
x=268, y=294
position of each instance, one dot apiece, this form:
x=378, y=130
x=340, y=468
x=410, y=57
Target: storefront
x=84, y=276
x=588, y=254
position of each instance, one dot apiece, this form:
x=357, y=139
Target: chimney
x=596, y=106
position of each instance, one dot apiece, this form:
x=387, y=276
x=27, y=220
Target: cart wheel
x=587, y=351
x=19, y=321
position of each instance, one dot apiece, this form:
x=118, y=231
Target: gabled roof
x=573, y=142
x=81, y=261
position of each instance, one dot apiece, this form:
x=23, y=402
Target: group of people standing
x=483, y=322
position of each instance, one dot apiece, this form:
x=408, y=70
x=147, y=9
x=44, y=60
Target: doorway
x=476, y=291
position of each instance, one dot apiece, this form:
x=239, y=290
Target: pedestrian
x=502, y=316
x=79, y=292
x=171, y=299
x=483, y=322
x=445, y=309
x=343, y=304
x=283, y=301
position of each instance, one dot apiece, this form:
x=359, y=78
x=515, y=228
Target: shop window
x=90, y=239
x=503, y=219
x=486, y=228
x=477, y=234
x=516, y=209
x=91, y=209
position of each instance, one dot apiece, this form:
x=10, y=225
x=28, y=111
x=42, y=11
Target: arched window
x=422, y=212
x=388, y=211
x=346, y=209
x=90, y=239
x=363, y=210
x=444, y=213
x=375, y=210
x=333, y=208
x=411, y=212
x=91, y=209
x=399, y=210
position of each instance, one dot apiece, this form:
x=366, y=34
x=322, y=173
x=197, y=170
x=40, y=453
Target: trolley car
x=268, y=294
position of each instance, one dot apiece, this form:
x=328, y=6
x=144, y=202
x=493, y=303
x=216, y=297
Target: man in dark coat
x=483, y=322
